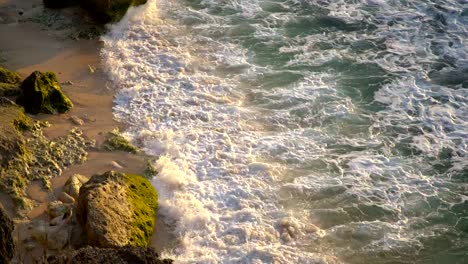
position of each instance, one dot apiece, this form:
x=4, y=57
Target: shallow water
x=301, y=131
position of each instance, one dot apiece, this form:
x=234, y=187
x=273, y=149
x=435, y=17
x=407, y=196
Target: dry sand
x=25, y=47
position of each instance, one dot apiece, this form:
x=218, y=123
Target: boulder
x=73, y=184
x=106, y=11
x=125, y=255
x=52, y=236
x=117, y=209
x=65, y=198
x=7, y=246
x=59, y=3
x=41, y=93
x=57, y=208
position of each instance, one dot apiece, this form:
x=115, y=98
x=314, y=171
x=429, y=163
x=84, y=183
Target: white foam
x=245, y=170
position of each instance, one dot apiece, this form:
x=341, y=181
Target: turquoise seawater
x=301, y=131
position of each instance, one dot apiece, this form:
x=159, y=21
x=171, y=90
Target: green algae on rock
x=9, y=77
x=9, y=82
x=115, y=141
x=32, y=157
x=41, y=93
x=106, y=11
x=117, y=209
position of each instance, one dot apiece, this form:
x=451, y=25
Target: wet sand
x=28, y=47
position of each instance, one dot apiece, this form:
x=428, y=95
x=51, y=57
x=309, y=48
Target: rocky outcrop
x=126, y=255
x=7, y=247
x=59, y=3
x=107, y=11
x=41, y=93
x=117, y=209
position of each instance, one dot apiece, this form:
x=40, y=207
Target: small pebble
x=76, y=120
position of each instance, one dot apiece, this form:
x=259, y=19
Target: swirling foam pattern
x=301, y=131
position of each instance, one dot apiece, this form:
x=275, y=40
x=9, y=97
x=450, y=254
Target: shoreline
x=78, y=67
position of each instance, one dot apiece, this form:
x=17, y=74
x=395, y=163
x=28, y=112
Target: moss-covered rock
x=106, y=11
x=59, y=3
x=9, y=83
x=13, y=122
x=7, y=76
x=41, y=93
x=115, y=141
x=117, y=209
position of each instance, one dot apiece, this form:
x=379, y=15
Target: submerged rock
x=106, y=11
x=42, y=94
x=115, y=141
x=125, y=255
x=59, y=3
x=117, y=209
x=7, y=246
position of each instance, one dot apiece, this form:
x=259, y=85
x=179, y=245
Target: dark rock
x=7, y=246
x=106, y=11
x=42, y=94
x=125, y=255
x=60, y=3
x=117, y=209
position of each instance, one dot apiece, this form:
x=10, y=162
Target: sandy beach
x=28, y=46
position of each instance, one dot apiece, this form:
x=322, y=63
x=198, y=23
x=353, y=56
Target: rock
x=73, y=184
x=115, y=141
x=59, y=3
x=66, y=198
x=117, y=209
x=116, y=165
x=7, y=246
x=7, y=89
x=57, y=208
x=13, y=122
x=9, y=77
x=9, y=83
x=125, y=255
x=42, y=94
x=53, y=237
x=106, y=11
x=76, y=120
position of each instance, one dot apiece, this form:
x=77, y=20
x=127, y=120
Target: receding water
x=301, y=131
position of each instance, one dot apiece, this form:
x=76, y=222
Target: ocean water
x=301, y=131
